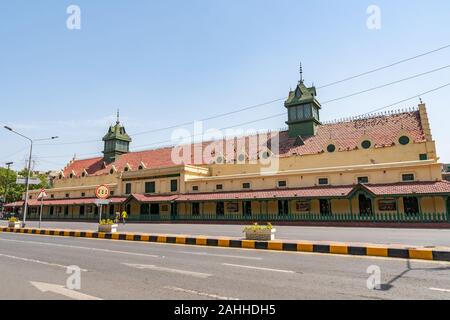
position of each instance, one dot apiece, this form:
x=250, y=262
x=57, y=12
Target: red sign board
x=102, y=192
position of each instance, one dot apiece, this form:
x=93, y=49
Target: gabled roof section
x=117, y=132
x=301, y=95
x=382, y=130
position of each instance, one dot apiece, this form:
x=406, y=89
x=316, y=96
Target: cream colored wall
x=161, y=185
x=421, y=173
x=397, y=153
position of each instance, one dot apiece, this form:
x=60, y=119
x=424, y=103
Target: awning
x=410, y=188
x=64, y=202
x=152, y=198
x=16, y=204
x=313, y=192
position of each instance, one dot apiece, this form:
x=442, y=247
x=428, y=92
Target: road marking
x=37, y=261
x=155, y=268
x=198, y=293
x=220, y=255
x=441, y=290
x=258, y=268
x=61, y=290
x=84, y=248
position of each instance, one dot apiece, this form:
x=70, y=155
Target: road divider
x=403, y=252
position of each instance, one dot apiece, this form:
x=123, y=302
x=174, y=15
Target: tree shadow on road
x=389, y=285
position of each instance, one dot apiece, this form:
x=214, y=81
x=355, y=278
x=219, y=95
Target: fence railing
x=433, y=217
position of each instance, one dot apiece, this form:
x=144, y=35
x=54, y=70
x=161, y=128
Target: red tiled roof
x=405, y=188
x=64, y=202
x=155, y=198
x=410, y=188
x=381, y=130
x=312, y=192
x=14, y=204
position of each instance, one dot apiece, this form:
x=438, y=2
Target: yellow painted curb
x=248, y=244
x=305, y=247
x=224, y=243
x=377, y=252
x=115, y=236
x=181, y=240
x=423, y=254
x=275, y=246
x=162, y=239
x=200, y=241
x=339, y=249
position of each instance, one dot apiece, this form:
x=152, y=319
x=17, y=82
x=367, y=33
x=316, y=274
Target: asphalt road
x=414, y=237
x=31, y=264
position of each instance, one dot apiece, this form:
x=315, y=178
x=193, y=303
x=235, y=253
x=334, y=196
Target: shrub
x=105, y=222
x=256, y=227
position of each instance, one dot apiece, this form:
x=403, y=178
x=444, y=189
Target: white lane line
x=257, y=268
x=36, y=261
x=220, y=255
x=441, y=290
x=170, y=270
x=84, y=248
x=61, y=290
x=198, y=293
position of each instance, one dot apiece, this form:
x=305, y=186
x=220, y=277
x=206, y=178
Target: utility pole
x=8, y=165
x=27, y=182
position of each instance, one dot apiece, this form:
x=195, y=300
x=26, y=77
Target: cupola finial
x=301, y=72
x=118, y=116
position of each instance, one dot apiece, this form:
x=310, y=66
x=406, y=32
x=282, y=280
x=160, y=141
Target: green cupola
x=303, y=111
x=117, y=141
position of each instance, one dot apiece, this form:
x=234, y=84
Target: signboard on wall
x=233, y=207
x=387, y=205
x=303, y=206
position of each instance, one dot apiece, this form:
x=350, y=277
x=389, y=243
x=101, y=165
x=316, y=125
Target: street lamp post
x=27, y=181
x=8, y=165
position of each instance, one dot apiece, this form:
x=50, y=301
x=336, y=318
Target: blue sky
x=168, y=62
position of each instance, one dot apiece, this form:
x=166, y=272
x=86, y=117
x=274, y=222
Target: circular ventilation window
x=126, y=169
x=241, y=158
x=266, y=155
x=111, y=171
x=141, y=167
x=404, y=140
x=331, y=148
x=219, y=160
x=71, y=176
x=366, y=144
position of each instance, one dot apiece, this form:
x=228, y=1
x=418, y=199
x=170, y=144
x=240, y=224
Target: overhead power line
x=280, y=99
x=387, y=84
x=268, y=118
x=384, y=67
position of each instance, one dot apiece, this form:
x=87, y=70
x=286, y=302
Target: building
x=382, y=165
x=446, y=171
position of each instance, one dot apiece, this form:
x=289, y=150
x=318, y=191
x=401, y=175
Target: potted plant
x=261, y=233
x=14, y=223
x=107, y=226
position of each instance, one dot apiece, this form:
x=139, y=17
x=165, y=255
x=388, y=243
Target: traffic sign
x=43, y=194
x=101, y=202
x=32, y=181
x=102, y=192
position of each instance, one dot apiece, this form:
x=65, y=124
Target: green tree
x=16, y=191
